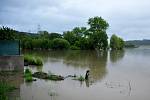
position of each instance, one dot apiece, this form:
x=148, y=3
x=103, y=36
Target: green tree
x=84, y=44
x=44, y=34
x=121, y=43
x=97, y=32
x=60, y=43
x=98, y=24
x=7, y=33
x=27, y=44
x=79, y=31
x=45, y=44
x=70, y=37
x=116, y=43
x=54, y=35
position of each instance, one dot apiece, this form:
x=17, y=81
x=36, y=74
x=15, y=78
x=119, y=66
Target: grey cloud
x=129, y=19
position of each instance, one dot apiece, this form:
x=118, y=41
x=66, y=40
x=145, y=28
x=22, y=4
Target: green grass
x=4, y=89
x=31, y=60
x=39, y=62
x=28, y=75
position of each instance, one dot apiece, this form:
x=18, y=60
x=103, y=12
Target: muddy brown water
x=122, y=75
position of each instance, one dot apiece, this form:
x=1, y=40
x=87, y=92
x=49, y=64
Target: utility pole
x=38, y=29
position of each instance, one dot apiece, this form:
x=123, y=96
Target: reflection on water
x=116, y=55
x=121, y=75
x=92, y=60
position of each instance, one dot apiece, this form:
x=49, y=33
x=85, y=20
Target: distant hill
x=21, y=35
x=138, y=42
x=27, y=33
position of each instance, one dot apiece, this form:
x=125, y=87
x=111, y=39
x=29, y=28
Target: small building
x=10, y=55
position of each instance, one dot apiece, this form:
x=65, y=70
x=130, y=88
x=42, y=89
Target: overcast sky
x=129, y=19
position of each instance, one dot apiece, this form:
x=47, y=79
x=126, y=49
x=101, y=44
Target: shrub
x=36, y=43
x=29, y=59
x=28, y=75
x=27, y=71
x=28, y=78
x=116, y=43
x=33, y=60
x=39, y=61
x=59, y=43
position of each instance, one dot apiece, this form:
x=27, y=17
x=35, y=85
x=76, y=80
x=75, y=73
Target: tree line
x=79, y=38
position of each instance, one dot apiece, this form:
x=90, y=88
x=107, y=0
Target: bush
x=27, y=71
x=84, y=44
x=59, y=43
x=28, y=78
x=27, y=44
x=33, y=60
x=116, y=43
x=29, y=59
x=39, y=62
x=28, y=75
x=36, y=43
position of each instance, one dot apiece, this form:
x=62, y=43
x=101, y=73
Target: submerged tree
x=116, y=43
x=94, y=37
x=97, y=32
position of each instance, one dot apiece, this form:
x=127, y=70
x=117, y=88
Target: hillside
x=138, y=42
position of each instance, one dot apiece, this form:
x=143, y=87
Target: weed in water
x=31, y=60
x=28, y=75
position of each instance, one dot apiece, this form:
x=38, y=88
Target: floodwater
x=119, y=75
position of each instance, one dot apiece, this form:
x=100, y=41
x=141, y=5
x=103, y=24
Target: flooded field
x=122, y=75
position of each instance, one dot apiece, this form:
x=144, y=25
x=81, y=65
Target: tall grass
x=39, y=61
x=31, y=60
x=4, y=89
